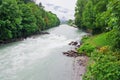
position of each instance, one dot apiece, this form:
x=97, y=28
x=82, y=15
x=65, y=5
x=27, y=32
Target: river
x=40, y=58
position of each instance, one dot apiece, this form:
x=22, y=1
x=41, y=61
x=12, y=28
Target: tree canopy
x=99, y=16
x=21, y=18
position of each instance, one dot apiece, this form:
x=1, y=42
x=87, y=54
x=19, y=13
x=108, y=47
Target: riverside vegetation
x=102, y=19
x=22, y=18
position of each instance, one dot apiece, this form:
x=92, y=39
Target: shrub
x=86, y=49
x=104, y=49
x=114, y=37
x=84, y=38
x=105, y=67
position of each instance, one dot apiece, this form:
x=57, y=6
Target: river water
x=40, y=58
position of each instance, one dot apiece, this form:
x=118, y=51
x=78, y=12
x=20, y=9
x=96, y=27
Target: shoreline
x=80, y=61
x=22, y=38
x=79, y=67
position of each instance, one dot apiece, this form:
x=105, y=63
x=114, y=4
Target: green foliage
x=98, y=40
x=104, y=63
x=38, y=13
x=113, y=22
x=88, y=14
x=51, y=20
x=71, y=22
x=104, y=67
x=79, y=10
x=86, y=49
x=114, y=38
x=85, y=38
x=26, y=1
x=10, y=19
x=101, y=40
x=21, y=18
x=100, y=16
x=28, y=21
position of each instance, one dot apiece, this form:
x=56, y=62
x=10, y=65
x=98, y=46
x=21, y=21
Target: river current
x=40, y=57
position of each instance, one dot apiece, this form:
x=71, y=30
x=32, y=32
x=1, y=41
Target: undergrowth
x=104, y=63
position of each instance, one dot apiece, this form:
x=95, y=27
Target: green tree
x=28, y=21
x=113, y=11
x=10, y=19
x=80, y=6
x=22, y=18
x=38, y=12
x=88, y=17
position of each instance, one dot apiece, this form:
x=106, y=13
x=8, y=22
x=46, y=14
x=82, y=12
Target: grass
x=92, y=43
x=98, y=40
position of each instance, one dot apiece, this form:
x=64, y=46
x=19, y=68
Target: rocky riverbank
x=79, y=66
x=73, y=53
x=80, y=61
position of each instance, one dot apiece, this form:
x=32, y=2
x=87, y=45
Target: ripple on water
x=17, y=57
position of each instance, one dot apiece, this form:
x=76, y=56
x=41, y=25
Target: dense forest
x=22, y=18
x=102, y=19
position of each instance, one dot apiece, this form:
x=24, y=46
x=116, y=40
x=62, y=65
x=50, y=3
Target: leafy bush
x=104, y=63
x=114, y=38
x=104, y=67
x=84, y=38
x=86, y=49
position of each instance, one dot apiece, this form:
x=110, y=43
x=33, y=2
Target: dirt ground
x=79, y=67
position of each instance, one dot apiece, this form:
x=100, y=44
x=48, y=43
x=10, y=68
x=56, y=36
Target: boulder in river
x=74, y=43
x=71, y=53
